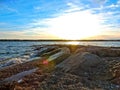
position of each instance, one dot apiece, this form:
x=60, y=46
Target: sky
x=60, y=19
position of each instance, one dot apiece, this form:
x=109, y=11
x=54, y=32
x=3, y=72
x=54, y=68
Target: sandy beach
x=65, y=67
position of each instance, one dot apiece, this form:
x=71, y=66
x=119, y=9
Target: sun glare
x=72, y=43
x=77, y=25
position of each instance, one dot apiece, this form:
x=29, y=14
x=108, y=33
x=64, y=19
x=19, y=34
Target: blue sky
x=59, y=19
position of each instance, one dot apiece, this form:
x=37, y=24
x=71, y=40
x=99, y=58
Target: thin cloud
x=6, y=7
x=101, y=2
x=26, y=35
x=77, y=19
x=37, y=8
x=76, y=22
x=3, y=23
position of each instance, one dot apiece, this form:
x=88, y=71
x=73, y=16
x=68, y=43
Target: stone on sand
x=84, y=60
x=60, y=56
x=100, y=51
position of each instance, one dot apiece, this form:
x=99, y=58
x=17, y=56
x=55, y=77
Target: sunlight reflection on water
x=73, y=43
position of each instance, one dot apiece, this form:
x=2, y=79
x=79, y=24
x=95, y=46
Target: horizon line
x=59, y=40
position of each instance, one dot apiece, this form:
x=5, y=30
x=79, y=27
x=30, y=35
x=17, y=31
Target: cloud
x=6, y=7
x=108, y=34
x=113, y=6
x=37, y=8
x=25, y=35
x=73, y=7
x=105, y=37
x=76, y=24
x=77, y=20
x=3, y=23
x=101, y=2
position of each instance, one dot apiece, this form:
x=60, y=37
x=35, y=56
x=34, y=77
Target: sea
x=12, y=52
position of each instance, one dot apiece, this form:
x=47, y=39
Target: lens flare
x=45, y=62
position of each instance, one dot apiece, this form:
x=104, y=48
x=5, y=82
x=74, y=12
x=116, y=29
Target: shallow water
x=17, y=50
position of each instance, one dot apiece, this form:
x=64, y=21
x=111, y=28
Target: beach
x=65, y=67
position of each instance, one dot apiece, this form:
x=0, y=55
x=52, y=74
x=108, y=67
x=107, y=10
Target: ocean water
x=20, y=51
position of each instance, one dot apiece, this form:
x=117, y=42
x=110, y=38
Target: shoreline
x=58, y=64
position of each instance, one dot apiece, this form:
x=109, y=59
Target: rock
x=38, y=47
x=18, y=88
x=100, y=51
x=89, y=60
x=51, y=52
x=44, y=50
x=61, y=81
x=116, y=81
x=36, y=83
x=84, y=60
x=13, y=61
x=29, y=88
x=18, y=76
x=38, y=72
x=70, y=63
x=107, y=70
x=60, y=56
x=35, y=58
x=116, y=71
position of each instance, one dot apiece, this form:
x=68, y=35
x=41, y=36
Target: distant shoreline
x=54, y=40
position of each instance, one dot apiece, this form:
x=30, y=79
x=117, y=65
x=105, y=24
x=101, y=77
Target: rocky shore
x=65, y=67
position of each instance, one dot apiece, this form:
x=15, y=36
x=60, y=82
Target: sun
x=76, y=34
x=77, y=25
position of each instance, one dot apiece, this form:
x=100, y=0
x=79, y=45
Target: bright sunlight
x=75, y=25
